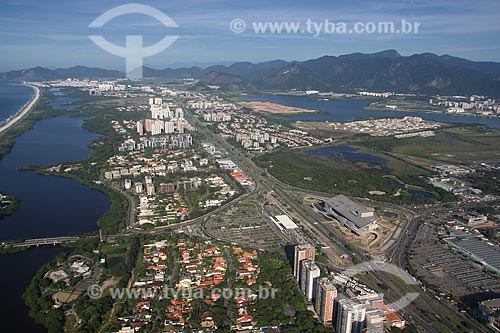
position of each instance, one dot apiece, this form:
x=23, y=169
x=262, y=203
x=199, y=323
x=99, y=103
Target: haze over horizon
x=56, y=34
x=205, y=65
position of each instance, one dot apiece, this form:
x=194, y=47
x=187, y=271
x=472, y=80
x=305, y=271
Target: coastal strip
x=27, y=108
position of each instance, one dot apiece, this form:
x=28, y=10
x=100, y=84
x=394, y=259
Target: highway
x=399, y=257
x=314, y=222
x=45, y=241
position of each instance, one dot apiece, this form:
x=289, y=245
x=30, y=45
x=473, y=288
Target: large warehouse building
x=358, y=218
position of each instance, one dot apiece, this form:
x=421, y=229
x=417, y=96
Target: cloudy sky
x=55, y=33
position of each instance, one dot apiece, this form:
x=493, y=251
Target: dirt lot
x=275, y=108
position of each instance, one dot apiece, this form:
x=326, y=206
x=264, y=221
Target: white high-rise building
x=150, y=189
x=167, y=113
x=160, y=112
x=349, y=316
x=169, y=127
x=180, y=127
x=156, y=111
x=179, y=114
x=140, y=128
x=158, y=127
x=309, y=274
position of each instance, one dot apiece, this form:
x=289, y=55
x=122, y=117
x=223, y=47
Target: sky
x=56, y=33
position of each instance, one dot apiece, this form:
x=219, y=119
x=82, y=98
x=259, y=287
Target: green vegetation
x=288, y=305
x=406, y=104
x=40, y=304
x=349, y=177
x=487, y=181
x=9, y=249
x=320, y=173
x=8, y=205
x=120, y=259
x=453, y=144
x=114, y=219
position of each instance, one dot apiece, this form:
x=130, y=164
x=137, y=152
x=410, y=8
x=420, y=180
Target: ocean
x=13, y=97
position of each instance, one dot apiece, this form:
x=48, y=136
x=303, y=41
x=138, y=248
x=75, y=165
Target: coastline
x=34, y=259
x=25, y=111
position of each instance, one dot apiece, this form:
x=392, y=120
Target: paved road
x=315, y=222
x=337, y=239
x=45, y=241
x=398, y=250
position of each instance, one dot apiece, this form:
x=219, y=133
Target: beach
x=25, y=110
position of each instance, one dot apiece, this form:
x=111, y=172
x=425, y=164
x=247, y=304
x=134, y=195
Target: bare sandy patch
x=275, y=108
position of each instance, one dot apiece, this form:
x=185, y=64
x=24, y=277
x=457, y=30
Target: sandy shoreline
x=24, y=112
x=275, y=108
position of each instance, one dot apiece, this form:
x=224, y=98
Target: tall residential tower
x=302, y=252
x=324, y=303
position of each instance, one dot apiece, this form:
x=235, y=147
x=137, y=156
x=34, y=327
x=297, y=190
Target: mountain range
x=424, y=73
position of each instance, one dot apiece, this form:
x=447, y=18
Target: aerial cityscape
x=326, y=166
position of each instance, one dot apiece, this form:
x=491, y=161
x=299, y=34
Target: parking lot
x=245, y=225
x=451, y=272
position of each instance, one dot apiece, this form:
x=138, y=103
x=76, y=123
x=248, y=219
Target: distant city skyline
x=56, y=34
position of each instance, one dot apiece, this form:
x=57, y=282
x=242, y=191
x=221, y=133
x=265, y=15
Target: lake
x=50, y=206
x=338, y=153
x=61, y=101
x=413, y=191
x=17, y=271
x=345, y=110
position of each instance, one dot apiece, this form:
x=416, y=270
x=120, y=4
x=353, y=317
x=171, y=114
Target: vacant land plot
x=275, y=108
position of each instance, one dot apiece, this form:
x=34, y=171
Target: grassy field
x=451, y=145
x=403, y=105
x=465, y=145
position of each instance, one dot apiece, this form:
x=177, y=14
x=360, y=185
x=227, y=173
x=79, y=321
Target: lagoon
x=345, y=110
